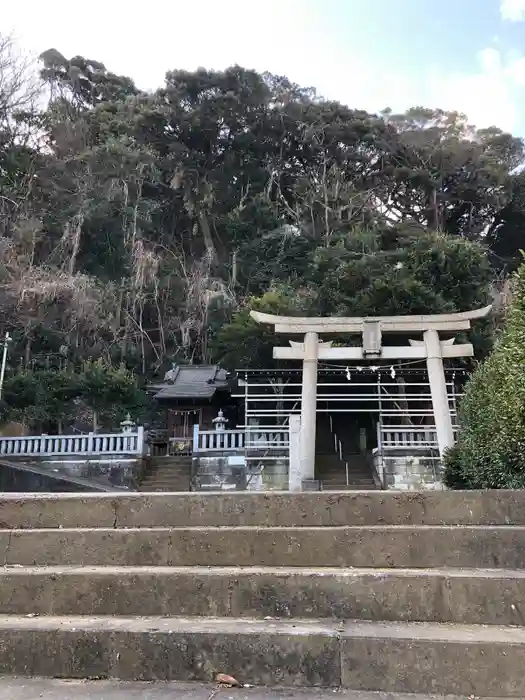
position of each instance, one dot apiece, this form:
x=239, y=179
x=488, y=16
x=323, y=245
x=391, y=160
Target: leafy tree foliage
x=109, y=393
x=490, y=452
x=141, y=227
x=364, y=273
x=46, y=399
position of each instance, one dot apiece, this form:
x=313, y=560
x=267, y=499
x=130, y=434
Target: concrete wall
x=25, y=481
x=122, y=473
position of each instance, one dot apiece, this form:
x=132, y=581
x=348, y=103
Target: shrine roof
x=192, y=382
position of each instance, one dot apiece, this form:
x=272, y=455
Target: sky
x=464, y=55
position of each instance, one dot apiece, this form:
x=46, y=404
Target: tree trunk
x=78, y=220
x=206, y=234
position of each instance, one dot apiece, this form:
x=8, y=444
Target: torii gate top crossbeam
x=460, y=321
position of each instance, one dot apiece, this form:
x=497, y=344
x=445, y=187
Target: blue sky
x=467, y=55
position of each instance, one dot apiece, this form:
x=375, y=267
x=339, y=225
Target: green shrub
x=452, y=475
x=490, y=452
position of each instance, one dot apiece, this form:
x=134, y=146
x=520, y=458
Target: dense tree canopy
x=140, y=228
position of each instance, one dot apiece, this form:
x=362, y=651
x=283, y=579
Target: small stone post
x=294, y=461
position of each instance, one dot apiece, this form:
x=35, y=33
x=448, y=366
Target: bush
x=490, y=452
x=452, y=475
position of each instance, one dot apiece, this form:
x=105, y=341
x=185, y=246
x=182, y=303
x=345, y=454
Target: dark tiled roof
x=193, y=382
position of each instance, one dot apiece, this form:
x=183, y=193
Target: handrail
x=338, y=447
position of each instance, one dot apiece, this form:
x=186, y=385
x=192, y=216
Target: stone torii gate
x=371, y=328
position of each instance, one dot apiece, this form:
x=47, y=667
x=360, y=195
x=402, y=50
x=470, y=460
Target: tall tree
x=137, y=225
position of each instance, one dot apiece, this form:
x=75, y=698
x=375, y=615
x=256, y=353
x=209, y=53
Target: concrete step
x=60, y=689
x=167, y=464
x=347, y=487
x=164, y=488
x=334, y=484
x=167, y=481
x=387, y=657
x=167, y=477
x=184, y=485
x=341, y=479
x=173, y=479
x=167, y=472
x=371, y=546
x=342, y=470
x=475, y=596
x=502, y=507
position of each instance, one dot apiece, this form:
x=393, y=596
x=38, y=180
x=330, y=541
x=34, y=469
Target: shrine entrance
x=369, y=419
x=428, y=399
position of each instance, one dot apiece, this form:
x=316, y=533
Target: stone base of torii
x=311, y=349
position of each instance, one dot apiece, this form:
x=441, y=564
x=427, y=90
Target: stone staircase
x=330, y=470
x=372, y=591
x=167, y=474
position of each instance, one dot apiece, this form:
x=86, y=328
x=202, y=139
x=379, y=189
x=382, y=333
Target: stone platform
x=366, y=591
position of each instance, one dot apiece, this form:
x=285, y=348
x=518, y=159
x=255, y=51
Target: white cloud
x=490, y=96
x=515, y=71
x=301, y=45
x=513, y=10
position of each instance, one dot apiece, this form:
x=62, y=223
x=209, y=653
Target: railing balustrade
x=240, y=439
x=123, y=443
x=403, y=436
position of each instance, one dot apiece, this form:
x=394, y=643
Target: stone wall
x=17, y=480
x=41, y=474
x=223, y=472
x=401, y=470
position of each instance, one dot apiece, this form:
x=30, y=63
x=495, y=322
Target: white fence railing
x=402, y=436
x=240, y=440
x=217, y=440
x=124, y=443
x=418, y=438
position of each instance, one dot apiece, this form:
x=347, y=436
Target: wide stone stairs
x=167, y=474
x=374, y=591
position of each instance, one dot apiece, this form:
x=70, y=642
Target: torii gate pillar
x=309, y=405
x=438, y=391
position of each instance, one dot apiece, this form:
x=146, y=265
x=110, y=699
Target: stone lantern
x=220, y=422
x=127, y=425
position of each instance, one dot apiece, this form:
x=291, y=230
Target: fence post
x=295, y=478
x=140, y=439
x=196, y=437
x=90, y=444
